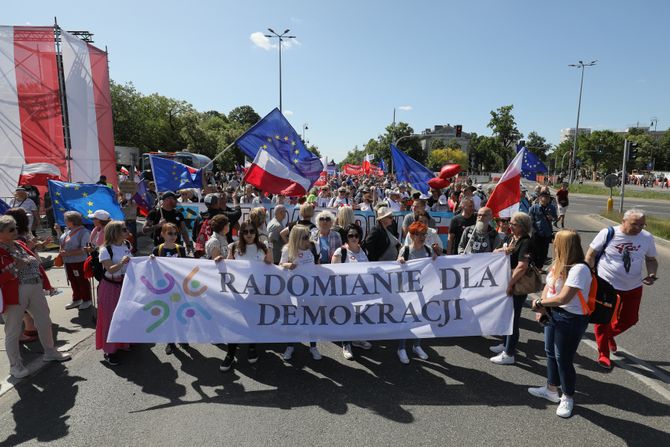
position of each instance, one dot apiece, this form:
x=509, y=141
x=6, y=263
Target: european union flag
x=170, y=175
x=409, y=170
x=531, y=165
x=382, y=165
x=3, y=206
x=84, y=198
x=276, y=135
x=143, y=198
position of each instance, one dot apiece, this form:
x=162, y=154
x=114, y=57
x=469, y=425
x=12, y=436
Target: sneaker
x=252, y=356
x=564, y=409
x=503, y=359
x=545, y=393
x=288, y=354
x=56, y=356
x=316, y=355
x=362, y=344
x=605, y=362
x=346, y=352
x=112, y=359
x=85, y=304
x=612, y=345
x=19, y=371
x=420, y=352
x=402, y=355
x=184, y=345
x=227, y=363
x=169, y=348
x=73, y=304
x=497, y=349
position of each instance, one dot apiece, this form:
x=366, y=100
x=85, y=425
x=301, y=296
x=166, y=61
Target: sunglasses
x=171, y=233
x=353, y=236
x=324, y=219
x=247, y=232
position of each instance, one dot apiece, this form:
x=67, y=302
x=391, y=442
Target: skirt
x=108, y=298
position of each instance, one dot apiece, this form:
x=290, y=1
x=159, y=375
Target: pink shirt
x=97, y=236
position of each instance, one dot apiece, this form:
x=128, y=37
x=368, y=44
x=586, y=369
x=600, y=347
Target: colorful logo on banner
x=161, y=308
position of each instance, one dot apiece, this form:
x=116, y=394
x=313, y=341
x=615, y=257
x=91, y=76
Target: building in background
x=569, y=133
x=446, y=133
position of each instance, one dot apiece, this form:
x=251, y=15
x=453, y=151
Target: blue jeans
x=512, y=340
x=403, y=343
x=561, y=339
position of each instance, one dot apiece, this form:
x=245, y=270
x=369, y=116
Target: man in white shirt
x=394, y=200
x=341, y=198
x=620, y=264
x=21, y=200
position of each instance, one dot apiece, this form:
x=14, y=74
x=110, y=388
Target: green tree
x=245, y=116
x=437, y=144
x=440, y=157
x=538, y=145
x=504, y=129
x=485, y=154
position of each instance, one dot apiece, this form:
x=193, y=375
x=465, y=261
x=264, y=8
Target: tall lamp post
x=305, y=127
x=654, y=123
x=281, y=38
x=573, y=159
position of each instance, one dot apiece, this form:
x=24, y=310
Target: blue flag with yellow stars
x=531, y=164
x=276, y=135
x=410, y=171
x=84, y=198
x=171, y=175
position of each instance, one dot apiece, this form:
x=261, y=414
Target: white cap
x=100, y=215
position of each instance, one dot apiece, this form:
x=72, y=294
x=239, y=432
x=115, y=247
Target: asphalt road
x=457, y=397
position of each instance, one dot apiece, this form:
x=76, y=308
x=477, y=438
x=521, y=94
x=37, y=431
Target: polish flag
x=124, y=171
x=505, y=198
x=272, y=176
x=89, y=107
x=38, y=174
x=367, y=163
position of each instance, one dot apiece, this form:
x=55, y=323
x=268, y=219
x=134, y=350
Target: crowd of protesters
x=331, y=235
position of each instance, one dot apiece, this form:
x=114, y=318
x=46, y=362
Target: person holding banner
x=564, y=303
x=299, y=251
x=248, y=248
x=326, y=240
x=416, y=250
x=351, y=251
x=216, y=247
x=382, y=241
x=114, y=255
x=520, y=249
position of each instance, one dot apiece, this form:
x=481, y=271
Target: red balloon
x=449, y=171
x=438, y=183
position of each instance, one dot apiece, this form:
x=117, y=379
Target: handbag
x=530, y=282
x=58, y=260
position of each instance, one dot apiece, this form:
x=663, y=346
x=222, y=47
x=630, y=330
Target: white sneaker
x=362, y=344
x=346, y=352
x=85, y=305
x=564, y=409
x=19, y=371
x=56, y=356
x=73, y=304
x=497, y=349
x=316, y=355
x=503, y=359
x=402, y=355
x=420, y=352
x=545, y=393
x=288, y=353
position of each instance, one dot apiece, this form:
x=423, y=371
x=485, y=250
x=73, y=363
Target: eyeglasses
x=171, y=233
x=324, y=219
x=352, y=236
x=248, y=232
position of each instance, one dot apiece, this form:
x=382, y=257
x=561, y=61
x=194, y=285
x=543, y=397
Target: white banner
x=199, y=301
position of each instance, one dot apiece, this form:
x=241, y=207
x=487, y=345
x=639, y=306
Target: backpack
x=405, y=252
x=204, y=231
x=603, y=303
x=93, y=267
x=343, y=250
x=161, y=251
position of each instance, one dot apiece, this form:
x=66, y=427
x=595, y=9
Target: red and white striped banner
x=31, y=129
x=89, y=107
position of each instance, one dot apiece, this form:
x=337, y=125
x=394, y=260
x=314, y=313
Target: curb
x=659, y=240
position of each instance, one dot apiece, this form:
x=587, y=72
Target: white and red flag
x=124, y=171
x=38, y=174
x=505, y=198
x=367, y=163
x=271, y=175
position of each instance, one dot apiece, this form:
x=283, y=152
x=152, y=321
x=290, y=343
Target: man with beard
x=480, y=237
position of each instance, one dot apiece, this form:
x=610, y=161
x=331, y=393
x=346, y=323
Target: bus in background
x=188, y=158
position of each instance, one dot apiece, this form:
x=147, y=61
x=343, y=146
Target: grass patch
x=603, y=191
x=657, y=226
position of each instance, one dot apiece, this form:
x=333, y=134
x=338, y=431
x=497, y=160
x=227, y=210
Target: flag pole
x=219, y=154
x=63, y=100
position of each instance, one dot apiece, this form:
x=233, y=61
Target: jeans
x=403, y=343
x=561, y=339
x=512, y=340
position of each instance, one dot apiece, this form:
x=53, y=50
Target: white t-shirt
x=118, y=252
x=395, y=206
x=351, y=256
x=251, y=253
x=304, y=257
x=579, y=277
x=27, y=205
x=476, y=201
x=611, y=266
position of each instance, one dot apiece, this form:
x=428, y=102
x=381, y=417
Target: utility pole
x=281, y=38
x=623, y=174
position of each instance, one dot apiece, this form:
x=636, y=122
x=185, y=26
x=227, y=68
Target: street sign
x=611, y=180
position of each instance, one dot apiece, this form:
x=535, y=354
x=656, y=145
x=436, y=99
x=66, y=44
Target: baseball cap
x=211, y=199
x=168, y=194
x=100, y=215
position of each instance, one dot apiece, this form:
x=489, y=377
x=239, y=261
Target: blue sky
x=354, y=61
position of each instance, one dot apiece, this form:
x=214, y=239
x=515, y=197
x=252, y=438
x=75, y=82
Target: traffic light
x=632, y=151
x=459, y=130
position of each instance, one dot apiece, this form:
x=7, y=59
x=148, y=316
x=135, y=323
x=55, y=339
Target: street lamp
x=579, y=107
x=654, y=122
x=305, y=127
x=281, y=38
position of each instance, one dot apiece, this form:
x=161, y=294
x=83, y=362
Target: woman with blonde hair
x=114, y=255
x=344, y=218
x=325, y=239
x=257, y=218
x=564, y=305
x=299, y=250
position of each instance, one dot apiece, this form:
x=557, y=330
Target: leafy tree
x=538, y=145
x=440, y=157
x=485, y=154
x=245, y=116
x=504, y=129
x=437, y=144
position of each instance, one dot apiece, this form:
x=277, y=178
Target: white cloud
x=288, y=113
x=405, y=108
x=259, y=39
